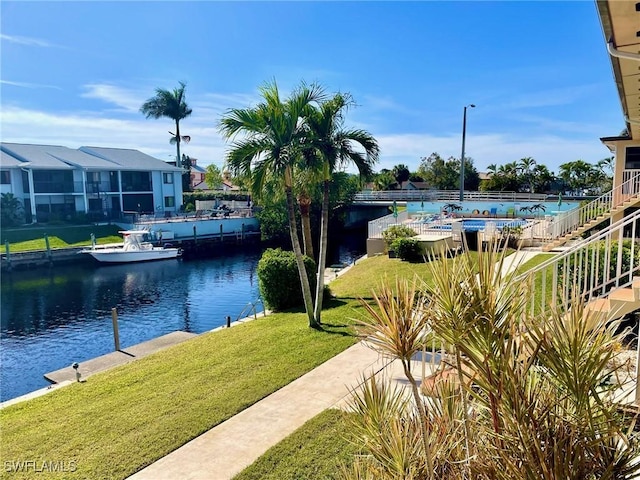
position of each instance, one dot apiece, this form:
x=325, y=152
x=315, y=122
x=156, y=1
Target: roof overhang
x=620, y=21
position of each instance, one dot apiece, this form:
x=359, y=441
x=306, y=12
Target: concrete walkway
x=517, y=259
x=228, y=448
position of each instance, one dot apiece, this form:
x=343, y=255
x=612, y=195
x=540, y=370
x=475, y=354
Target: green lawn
x=314, y=451
x=122, y=420
x=368, y=275
x=32, y=238
x=531, y=264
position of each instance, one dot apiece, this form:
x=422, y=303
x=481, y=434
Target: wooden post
x=221, y=234
x=46, y=242
x=116, y=333
x=6, y=249
x=228, y=321
x=195, y=235
x=93, y=241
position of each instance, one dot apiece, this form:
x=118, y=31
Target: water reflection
x=53, y=317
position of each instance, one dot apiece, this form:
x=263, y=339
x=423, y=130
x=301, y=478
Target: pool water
x=475, y=225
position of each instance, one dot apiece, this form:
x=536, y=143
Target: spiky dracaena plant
x=531, y=396
x=535, y=382
x=397, y=328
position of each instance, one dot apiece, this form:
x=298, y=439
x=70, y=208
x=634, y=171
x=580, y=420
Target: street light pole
x=464, y=135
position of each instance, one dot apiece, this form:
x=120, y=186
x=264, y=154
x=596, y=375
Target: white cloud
x=487, y=149
x=76, y=129
x=29, y=41
x=28, y=85
x=125, y=127
x=126, y=99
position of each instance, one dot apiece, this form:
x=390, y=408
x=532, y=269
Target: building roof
x=198, y=168
x=620, y=22
x=129, y=159
x=57, y=157
x=408, y=184
x=37, y=156
x=7, y=160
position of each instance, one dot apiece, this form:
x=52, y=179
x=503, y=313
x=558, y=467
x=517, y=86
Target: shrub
x=584, y=277
x=407, y=248
x=279, y=281
x=395, y=232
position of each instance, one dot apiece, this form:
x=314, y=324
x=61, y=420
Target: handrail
x=590, y=268
x=569, y=221
x=445, y=195
x=379, y=225
x=252, y=307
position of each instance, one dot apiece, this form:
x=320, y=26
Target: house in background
x=56, y=182
x=411, y=185
x=621, y=27
x=197, y=175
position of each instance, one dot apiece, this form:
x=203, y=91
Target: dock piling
x=46, y=242
x=228, y=321
x=6, y=249
x=116, y=333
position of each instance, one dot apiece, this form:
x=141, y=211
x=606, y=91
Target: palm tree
x=334, y=147
x=269, y=147
x=527, y=164
x=170, y=104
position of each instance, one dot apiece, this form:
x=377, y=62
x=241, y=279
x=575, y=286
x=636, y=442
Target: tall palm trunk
x=322, y=258
x=295, y=242
x=178, y=158
x=304, y=202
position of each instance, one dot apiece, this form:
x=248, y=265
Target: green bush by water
x=279, y=281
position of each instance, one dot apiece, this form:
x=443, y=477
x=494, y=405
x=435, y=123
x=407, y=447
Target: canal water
x=51, y=318
x=54, y=317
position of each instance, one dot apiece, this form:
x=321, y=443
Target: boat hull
x=119, y=256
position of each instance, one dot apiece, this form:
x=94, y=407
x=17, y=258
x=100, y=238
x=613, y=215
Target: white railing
x=379, y=225
x=445, y=196
x=589, y=269
x=569, y=221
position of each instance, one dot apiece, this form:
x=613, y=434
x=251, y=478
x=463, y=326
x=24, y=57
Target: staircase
x=573, y=223
x=620, y=302
x=596, y=271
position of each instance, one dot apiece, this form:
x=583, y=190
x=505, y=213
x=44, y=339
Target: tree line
x=290, y=154
x=525, y=175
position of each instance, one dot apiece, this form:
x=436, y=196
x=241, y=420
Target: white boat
x=134, y=249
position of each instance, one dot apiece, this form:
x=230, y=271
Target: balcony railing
x=57, y=187
x=100, y=187
x=569, y=221
x=445, y=196
x=590, y=268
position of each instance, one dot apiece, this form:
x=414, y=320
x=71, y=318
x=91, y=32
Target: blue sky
x=76, y=73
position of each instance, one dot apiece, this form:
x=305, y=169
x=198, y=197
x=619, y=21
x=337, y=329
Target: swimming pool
x=476, y=225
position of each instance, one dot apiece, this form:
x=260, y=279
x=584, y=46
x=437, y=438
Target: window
x=632, y=158
x=93, y=177
x=167, y=177
x=169, y=202
x=136, y=182
x=5, y=177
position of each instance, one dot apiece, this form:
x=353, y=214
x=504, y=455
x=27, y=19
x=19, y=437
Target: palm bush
x=407, y=248
x=529, y=395
x=394, y=232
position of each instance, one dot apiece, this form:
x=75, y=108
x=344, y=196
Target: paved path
x=517, y=259
x=228, y=448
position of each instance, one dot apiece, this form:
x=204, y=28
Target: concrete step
x=619, y=302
